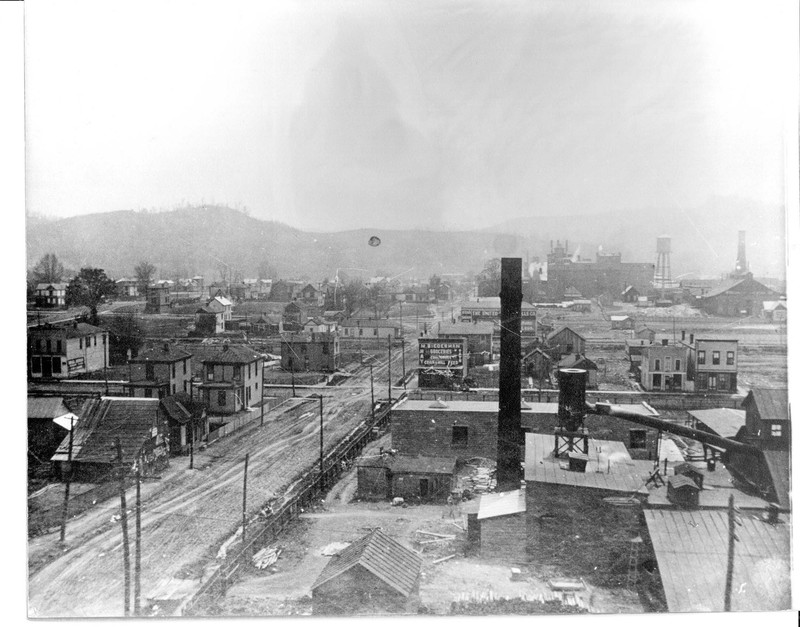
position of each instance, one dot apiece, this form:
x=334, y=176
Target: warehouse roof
x=610, y=467
x=691, y=548
x=722, y=420
x=501, y=504
x=466, y=328
x=384, y=557
x=105, y=419
x=771, y=404
x=46, y=407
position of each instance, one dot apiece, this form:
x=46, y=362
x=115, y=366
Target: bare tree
x=145, y=272
x=48, y=270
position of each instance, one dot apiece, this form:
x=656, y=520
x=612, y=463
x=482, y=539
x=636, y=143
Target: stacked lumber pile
x=478, y=476
x=266, y=557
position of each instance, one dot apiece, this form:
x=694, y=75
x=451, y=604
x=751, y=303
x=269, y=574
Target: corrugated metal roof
x=420, y=464
x=610, y=467
x=46, y=407
x=103, y=420
x=722, y=421
x=772, y=404
x=384, y=557
x=692, y=550
x=501, y=504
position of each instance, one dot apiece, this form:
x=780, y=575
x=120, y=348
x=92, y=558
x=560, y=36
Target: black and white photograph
x=433, y=308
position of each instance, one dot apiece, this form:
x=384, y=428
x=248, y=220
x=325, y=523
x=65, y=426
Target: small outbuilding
x=411, y=478
x=622, y=322
x=498, y=529
x=683, y=491
x=374, y=575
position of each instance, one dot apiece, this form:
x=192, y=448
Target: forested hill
x=203, y=240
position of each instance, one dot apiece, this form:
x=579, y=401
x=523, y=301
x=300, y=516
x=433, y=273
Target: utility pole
x=137, y=556
x=106, y=342
x=321, y=454
x=262, y=394
x=390, y=369
x=126, y=556
x=403, y=346
x=65, y=512
x=732, y=538
x=372, y=391
x=244, y=499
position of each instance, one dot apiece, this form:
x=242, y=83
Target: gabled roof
x=731, y=284
x=166, y=353
x=46, y=407
x=577, y=361
x=384, y=557
x=175, y=410
x=770, y=404
x=80, y=329
x=539, y=350
x=721, y=420
x=104, y=419
x=682, y=481
x=232, y=354
x=619, y=318
x=55, y=286
x=555, y=333
x=772, y=305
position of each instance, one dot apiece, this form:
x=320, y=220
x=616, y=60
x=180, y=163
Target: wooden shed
x=684, y=492
x=374, y=575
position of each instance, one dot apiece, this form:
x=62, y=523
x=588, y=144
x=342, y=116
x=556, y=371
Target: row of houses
x=685, y=365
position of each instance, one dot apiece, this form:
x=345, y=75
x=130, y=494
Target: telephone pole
x=137, y=556
x=390, y=369
x=244, y=499
x=321, y=449
x=65, y=512
x=403, y=352
x=372, y=391
x=126, y=555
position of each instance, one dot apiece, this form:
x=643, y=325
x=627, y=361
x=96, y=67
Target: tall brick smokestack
x=509, y=427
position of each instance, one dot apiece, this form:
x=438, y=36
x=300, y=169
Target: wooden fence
x=310, y=486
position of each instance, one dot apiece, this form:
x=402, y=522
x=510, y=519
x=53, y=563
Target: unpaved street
x=188, y=514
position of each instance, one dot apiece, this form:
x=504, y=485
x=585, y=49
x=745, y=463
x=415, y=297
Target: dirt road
x=188, y=514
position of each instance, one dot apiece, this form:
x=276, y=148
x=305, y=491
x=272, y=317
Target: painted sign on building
x=441, y=353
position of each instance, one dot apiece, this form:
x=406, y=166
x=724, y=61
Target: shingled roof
x=384, y=557
x=230, y=354
x=102, y=421
x=771, y=404
x=164, y=353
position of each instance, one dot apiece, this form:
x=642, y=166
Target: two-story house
x=159, y=298
x=61, y=351
x=51, y=295
x=159, y=372
x=232, y=379
x=715, y=364
x=127, y=288
x=664, y=366
x=310, y=351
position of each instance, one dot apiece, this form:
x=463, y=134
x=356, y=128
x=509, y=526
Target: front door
x=424, y=488
x=47, y=367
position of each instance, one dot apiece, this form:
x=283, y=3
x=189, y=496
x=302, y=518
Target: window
x=173, y=371
x=185, y=385
x=325, y=350
x=460, y=436
x=730, y=358
x=668, y=366
x=775, y=430
x=148, y=393
x=249, y=374
x=678, y=365
x=56, y=365
x=49, y=347
x=173, y=389
x=712, y=382
x=221, y=400
x=210, y=373
x=36, y=365
x=638, y=438
x=149, y=372
x=701, y=357
x=80, y=343
x=58, y=346
x=237, y=372
x=715, y=358
x=185, y=361
x=658, y=365
x=95, y=341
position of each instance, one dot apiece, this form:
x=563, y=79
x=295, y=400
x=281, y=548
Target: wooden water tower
x=570, y=434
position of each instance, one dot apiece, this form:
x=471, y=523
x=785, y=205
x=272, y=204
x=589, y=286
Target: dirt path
x=188, y=513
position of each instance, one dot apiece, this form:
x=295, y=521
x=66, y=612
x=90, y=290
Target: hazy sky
x=335, y=115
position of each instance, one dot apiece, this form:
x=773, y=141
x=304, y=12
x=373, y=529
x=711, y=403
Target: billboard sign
x=441, y=353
